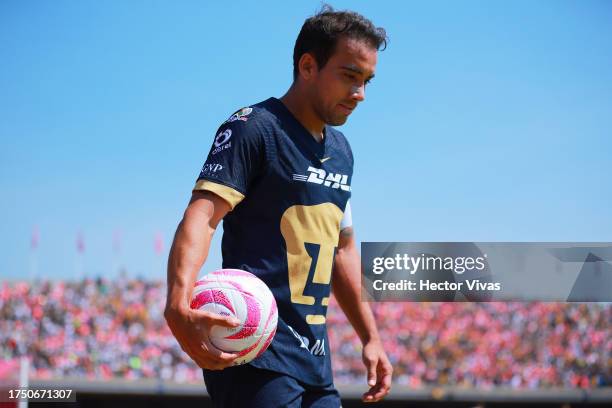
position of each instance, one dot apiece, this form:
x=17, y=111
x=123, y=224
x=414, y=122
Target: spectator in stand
x=100, y=329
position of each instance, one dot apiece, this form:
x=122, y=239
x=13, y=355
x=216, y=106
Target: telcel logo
x=320, y=176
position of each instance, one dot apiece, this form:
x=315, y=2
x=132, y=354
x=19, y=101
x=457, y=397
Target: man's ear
x=307, y=66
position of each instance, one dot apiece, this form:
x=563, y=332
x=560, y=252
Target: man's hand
x=379, y=371
x=192, y=329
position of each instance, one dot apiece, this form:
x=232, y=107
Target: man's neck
x=300, y=108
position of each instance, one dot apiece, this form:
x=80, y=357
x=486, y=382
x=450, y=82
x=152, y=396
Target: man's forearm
x=187, y=255
x=346, y=284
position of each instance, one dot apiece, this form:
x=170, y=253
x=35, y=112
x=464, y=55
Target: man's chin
x=337, y=120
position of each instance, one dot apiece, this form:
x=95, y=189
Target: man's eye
x=349, y=76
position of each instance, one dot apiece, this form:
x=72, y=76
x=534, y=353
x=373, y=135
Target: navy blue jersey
x=288, y=194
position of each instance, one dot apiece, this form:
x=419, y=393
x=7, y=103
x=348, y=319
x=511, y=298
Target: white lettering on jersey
x=318, y=349
x=328, y=179
x=211, y=168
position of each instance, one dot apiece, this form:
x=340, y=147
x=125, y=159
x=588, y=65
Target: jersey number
x=318, y=225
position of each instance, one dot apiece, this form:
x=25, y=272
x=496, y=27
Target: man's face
x=340, y=85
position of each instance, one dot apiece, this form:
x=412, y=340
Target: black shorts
x=248, y=387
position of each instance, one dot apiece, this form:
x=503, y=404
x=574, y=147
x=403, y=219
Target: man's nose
x=358, y=92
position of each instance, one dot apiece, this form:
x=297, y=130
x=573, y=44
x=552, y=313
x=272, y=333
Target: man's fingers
x=198, y=358
x=371, y=367
x=210, y=319
x=375, y=394
x=368, y=397
x=381, y=387
x=224, y=357
x=206, y=355
x=385, y=371
x=219, y=356
x=380, y=392
x=205, y=359
x=386, y=380
x=192, y=331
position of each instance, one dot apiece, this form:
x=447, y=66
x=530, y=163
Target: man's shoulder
x=260, y=112
x=249, y=123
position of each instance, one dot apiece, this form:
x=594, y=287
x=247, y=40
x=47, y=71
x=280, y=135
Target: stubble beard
x=330, y=118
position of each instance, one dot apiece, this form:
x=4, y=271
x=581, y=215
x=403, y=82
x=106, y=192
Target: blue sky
x=487, y=121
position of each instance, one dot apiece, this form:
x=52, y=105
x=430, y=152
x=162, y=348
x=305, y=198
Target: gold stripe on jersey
x=230, y=195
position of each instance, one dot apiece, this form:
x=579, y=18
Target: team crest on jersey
x=242, y=115
x=328, y=179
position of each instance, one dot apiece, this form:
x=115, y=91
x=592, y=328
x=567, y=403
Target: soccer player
x=279, y=176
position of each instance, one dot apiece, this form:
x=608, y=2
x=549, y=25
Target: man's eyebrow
x=356, y=70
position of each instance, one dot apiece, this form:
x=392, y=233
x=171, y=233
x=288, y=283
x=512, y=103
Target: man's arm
x=187, y=255
x=346, y=286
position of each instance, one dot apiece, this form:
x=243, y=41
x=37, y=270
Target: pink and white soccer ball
x=240, y=294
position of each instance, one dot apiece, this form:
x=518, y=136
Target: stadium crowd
x=105, y=329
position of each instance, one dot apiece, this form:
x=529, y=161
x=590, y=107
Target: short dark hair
x=321, y=32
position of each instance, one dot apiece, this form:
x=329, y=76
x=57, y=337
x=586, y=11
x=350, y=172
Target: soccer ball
x=240, y=294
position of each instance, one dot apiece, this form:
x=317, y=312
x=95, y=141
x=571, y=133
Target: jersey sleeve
x=347, y=217
x=234, y=160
